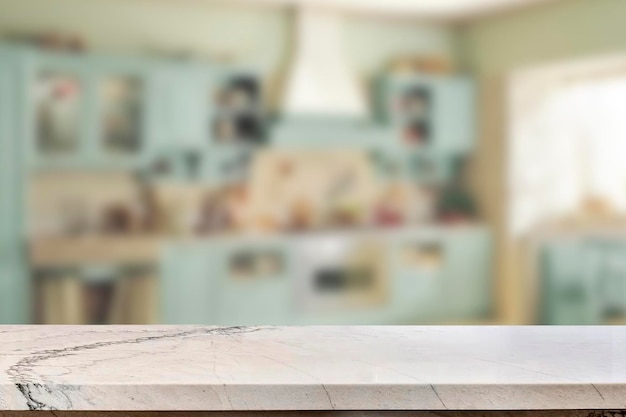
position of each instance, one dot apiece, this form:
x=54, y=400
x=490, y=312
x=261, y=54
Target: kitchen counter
x=166, y=368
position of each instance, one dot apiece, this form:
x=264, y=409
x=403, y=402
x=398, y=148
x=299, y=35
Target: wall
x=492, y=48
x=253, y=34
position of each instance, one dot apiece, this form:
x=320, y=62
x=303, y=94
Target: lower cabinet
x=402, y=277
x=467, y=274
x=583, y=281
x=416, y=274
x=443, y=276
x=188, y=288
x=254, y=283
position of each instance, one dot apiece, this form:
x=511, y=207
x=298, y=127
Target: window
x=567, y=143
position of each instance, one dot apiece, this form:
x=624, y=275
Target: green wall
x=254, y=35
x=559, y=30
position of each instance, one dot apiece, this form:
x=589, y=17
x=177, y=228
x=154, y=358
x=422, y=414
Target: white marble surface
x=311, y=368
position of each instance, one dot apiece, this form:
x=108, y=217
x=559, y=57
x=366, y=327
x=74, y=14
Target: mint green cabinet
x=255, y=281
x=467, y=278
x=225, y=281
x=181, y=105
x=430, y=275
x=189, y=293
x=443, y=274
x=14, y=282
x=85, y=111
x=454, y=115
x=435, y=113
x=417, y=286
x=566, y=291
x=583, y=281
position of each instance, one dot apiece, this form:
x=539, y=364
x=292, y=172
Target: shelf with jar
x=428, y=111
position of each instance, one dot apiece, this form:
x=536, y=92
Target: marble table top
x=154, y=368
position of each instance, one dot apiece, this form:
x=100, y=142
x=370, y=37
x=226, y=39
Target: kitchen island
x=275, y=370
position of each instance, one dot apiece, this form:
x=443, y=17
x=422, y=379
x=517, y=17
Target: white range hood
x=320, y=82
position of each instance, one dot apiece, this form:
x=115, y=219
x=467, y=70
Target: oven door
x=340, y=272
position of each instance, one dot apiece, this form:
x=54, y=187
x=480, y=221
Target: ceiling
x=428, y=9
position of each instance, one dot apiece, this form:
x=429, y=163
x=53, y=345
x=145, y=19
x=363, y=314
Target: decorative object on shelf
x=413, y=106
x=238, y=205
x=456, y=203
x=303, y=188
x=121, y=115
x=391, y=207
x=74, y=217
x=421, y=65
x=213, y=215
x=301, y=216
x=58, y=106
x=416, y=133
x=118, y=219
x=434, y=112
x=151, y=216
x=345, y=214
x=238, y=111
x=51, y=41
x=422, y=205
x=415, y=102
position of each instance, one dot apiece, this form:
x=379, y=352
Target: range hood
x=323, y=101
x=320, y=82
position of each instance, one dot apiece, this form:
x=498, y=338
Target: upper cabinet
x=197, y=106
x=88, y=111
x=85, y=111
x=56, y=107
x=428, y=112
x=203, y=119
x=180, y=107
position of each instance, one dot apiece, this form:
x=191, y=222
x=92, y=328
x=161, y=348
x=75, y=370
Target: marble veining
x=126, y=368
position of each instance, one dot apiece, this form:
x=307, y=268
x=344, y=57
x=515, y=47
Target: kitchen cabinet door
x=434, y=113
x=454, y=115
x=255, y=283
x=416, y=264
x=570, y=275
x=467, y=278
x=187, y=285
x=121, y=127
x=14, y=280
x=181, y=100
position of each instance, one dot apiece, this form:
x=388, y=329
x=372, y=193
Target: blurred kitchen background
x=313, y=161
